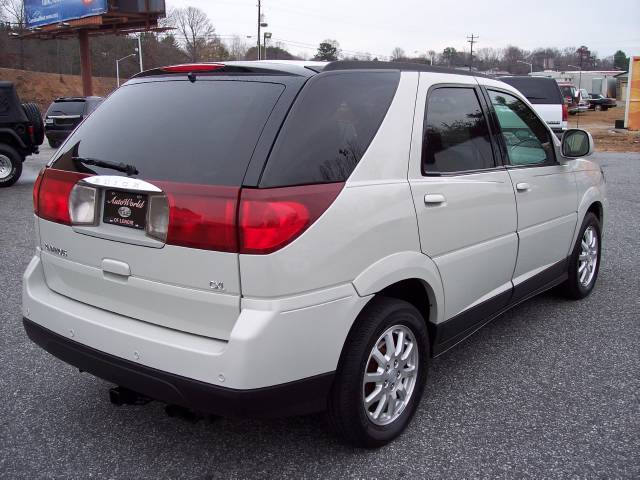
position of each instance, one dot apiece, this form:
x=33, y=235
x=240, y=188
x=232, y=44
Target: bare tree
x=237, y=48
x=397, y=54
x=12, y=11
x=196, y=29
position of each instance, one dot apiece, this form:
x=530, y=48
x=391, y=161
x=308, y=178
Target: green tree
x=620, y=60
x=449, y=55
x=328, y=51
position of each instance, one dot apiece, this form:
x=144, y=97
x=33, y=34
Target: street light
x=267, y=35
x=526, y=63
x=118, y=65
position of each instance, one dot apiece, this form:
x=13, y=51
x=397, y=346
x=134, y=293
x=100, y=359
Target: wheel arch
x=408, y=276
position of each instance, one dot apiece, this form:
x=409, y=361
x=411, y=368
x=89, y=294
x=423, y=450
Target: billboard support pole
x=85, y=63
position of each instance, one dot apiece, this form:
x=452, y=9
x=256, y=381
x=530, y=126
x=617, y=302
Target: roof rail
x=403, y=66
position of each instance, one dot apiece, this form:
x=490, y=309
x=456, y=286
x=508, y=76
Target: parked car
x=583, y=100
x=571, y=97
x=546, y=98
x=306, y=238
x=21, y=133
x=600, y=102
x=65, y=114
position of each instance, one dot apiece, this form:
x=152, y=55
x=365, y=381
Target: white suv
x=266, y=238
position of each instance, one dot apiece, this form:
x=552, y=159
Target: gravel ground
x=549, y=390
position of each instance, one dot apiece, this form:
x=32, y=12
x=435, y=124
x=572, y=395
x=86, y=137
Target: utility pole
x=472, y=39
x=259, y=22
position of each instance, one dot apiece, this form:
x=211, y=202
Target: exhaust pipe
x=123, y=396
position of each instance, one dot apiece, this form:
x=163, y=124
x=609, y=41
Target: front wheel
x=10, y=166
x=584, y=262
x=381, y=375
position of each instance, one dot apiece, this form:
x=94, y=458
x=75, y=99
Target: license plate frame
x=125, y=209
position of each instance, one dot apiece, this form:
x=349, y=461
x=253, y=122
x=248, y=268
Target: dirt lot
x=42, y=88
x=607, y=138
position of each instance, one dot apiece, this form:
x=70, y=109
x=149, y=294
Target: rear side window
x=456, y=136
x=67, y=108
x=329, y=128
x=537, y=90
x=202, y=132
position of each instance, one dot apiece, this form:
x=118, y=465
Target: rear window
x=329, y=128
x=67, y=108
x=202, y=132
x=537, y=90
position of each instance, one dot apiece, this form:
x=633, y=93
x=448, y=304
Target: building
x=604, y=82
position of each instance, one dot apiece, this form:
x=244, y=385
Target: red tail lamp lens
x=202, y=216
x=270, y=219
x=565, y=112
x=53, y=189
x=193, y=67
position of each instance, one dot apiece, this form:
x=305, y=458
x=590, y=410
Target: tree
x=397, y=54
x=237, y=48
x=448, y=55
x=194, y=25
x=328, y=50
x=13, y=12
x=620, y=60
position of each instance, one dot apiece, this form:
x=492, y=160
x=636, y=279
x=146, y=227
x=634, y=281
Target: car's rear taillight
x=36, y=189
x=200, y=216
x=271, y=218
x=53, y=191
x=565, y=112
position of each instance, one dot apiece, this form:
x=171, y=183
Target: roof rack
x=403, y=66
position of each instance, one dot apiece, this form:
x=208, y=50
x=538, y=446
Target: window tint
x=456, y=135
x=202, y=132
x=538, y=90
x=67, y=108
x=329, y=128
x=527, y=139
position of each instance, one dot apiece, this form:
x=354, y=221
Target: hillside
x=42, y=88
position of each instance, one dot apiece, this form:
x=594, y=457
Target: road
x=549, y=390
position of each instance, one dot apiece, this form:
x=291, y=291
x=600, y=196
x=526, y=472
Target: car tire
x=35, y=118
x=10, y=166
x=585, y=256
x=598, y=108
x=54, y=143
x=350, y=413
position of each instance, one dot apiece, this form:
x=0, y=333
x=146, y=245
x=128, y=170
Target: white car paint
x=301, y=301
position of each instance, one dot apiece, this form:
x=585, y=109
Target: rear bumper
x=282, y=346
x=294, y=398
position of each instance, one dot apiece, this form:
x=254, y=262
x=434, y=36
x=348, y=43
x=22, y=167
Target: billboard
x=632, y=112
x=46, y=12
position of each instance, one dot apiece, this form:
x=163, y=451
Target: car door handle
x=434, y=199
x=523, y=187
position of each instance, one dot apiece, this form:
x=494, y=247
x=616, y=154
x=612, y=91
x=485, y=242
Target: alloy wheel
x=390, y=375
x=588, y=258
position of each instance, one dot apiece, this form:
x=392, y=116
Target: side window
x=527, y=139
x=455, y=134
x=329, y=128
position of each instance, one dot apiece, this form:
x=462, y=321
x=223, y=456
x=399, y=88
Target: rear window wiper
x=120, y=167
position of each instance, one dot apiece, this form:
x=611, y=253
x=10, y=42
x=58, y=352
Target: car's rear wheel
x=54, y=143
x=10, y=166
x=598, y=108
x=584, y=263
x=381, y=375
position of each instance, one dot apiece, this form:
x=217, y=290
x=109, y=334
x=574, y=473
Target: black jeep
x=21, y=132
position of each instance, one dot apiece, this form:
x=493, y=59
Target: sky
x=420, y=25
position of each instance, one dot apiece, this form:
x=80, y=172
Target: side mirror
x=577, y=143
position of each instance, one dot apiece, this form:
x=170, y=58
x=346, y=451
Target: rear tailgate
x=191, y=143
x=551, y=114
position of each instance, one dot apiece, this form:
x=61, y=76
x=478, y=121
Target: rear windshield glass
x=537, y=90
x=329, y=128
x=202, y=132
x=66, y=108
